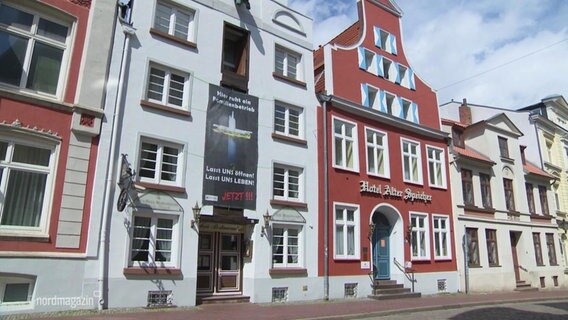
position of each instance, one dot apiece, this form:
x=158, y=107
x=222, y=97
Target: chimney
x=465, y=113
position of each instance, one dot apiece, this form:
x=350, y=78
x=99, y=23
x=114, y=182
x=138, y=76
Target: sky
x=502, y=53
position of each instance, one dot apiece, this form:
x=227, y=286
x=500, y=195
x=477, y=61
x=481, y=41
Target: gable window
x=385, y=40
x=411, y=162
x=419, y=246
x=287, y=63
x=551, y=249
x=492, y=253
x=377, y=153
x=530, y=198
x=175, y=21
x=436, y=167
x=345, y=153
x=160, y=162
x=509, y=194
x=406, y=77
x=287, y=183
x=467, y=187
x=32, y=50
x=286, y=246
x=367, y=60
x=503, y=147
x=388, y=69
x=441, y=228
x=485, y=182
x=26, y=173
x=537, y=249
x=543, y=200
x=472, y=247
x=288, y=120
x=168, y=87
x=235, y=61
x=346, y=232
x=154, y=240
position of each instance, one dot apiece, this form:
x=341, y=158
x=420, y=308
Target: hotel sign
x=388, y=191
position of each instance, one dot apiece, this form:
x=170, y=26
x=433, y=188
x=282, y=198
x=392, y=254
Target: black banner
x=231, y=149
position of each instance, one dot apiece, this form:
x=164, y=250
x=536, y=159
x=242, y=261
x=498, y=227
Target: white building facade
x=216, y=114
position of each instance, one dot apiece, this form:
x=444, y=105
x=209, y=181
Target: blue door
x=381, y=249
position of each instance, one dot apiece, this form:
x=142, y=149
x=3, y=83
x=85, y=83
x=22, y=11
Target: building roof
x=472, y=154
x=451, y=122
x=532, y=169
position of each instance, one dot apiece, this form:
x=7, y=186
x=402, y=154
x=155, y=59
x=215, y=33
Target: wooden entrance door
x=514, y=240
x=381, y=248
x=219, y=262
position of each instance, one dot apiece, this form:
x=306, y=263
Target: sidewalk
x=337, y=309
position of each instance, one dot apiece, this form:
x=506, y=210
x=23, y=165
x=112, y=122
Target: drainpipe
x=325, y=99
x=466, y=256
x=110, y=176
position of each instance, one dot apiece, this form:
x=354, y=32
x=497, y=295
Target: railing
x=408, y=275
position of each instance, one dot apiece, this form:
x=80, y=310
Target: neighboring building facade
x=386, y=209
x=503, y=205
x=51, y=93
x=216, y=113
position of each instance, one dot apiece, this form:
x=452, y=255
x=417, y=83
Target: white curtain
x=24, y=199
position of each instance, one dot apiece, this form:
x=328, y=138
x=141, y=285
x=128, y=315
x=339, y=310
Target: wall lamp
x=371, y=231
x=409, y=232
x=245, y=2
x=196, y=215
x=267, y=218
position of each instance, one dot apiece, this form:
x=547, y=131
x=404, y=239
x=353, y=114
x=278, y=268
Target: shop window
x=235, y=60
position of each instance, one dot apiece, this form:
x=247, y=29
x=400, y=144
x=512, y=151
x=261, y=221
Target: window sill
x=347, y=259
x=148, y=104
x=281, y=137
x=541, y=217
x=416, y=183
x=438, y=187
x=443, y=259
x=156, y=186
x=289, y=80
x=477, y=209
x=540, y=265
x=151, y=271
x=507, y=159
x=420, y=259
x=168, y=36
x=23, y=236
x=475, y=267
x=495, y=266
x=288, y=272
x=286, y=203
x=350, y=170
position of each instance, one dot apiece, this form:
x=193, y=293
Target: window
x=168, y=87
x=509, y=194
x=385, y=40
x=287, y=63
x=441, y=227
x=537, y=249
x=154, y=240
x=530, y=198
x=288, y=120
x=467, y=187
x=485, y=182
x=543, y=200
x=287, y=183
x=346, y=232
x=551, y=249
x=367, y=60
x=175, y=21
x=419, y=244
x=436, y=167
x=345, y=154
x=406, y=77
x=503, y=147
x=286, y=246
x=16, y=290
x=472, y=247
x=411, y=162
x=377, y=153
x=160, y=162
x=32, y=50
x=26, y=173
x=492, y=254
x=388, y=69
x=234, y=68
x=457, y=138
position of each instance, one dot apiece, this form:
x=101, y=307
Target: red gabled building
x=386, y=208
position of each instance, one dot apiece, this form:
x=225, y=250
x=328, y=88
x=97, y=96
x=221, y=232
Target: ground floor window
x=472, y=247
x=346, y=232
x=16, y=290
x=154, y=240
x=286, y=246
x=551, y=249
x=537, y=249
x=441, y=226
x=419, y=236
x=492, y=253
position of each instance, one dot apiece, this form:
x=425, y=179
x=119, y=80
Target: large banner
x=231, y=149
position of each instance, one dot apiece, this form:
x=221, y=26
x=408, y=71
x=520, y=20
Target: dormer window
x=503, y=147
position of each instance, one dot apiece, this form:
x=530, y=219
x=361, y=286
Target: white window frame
x=357, y=231
x=287, y=108
x=176, y=236
x=375, y=148
x=417, y=231
x=417, y=156
x=301, y=250
x=344, y=138
x=176, y=9
x=286, y=182
x=38, y=13
x=7, y=279
x=440, y=162
x=441, y=231
x=159, y=158
x=187, y=76
x=42, y=230
x=285, y=63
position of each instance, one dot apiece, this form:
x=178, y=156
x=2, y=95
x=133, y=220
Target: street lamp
x=196, y=215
